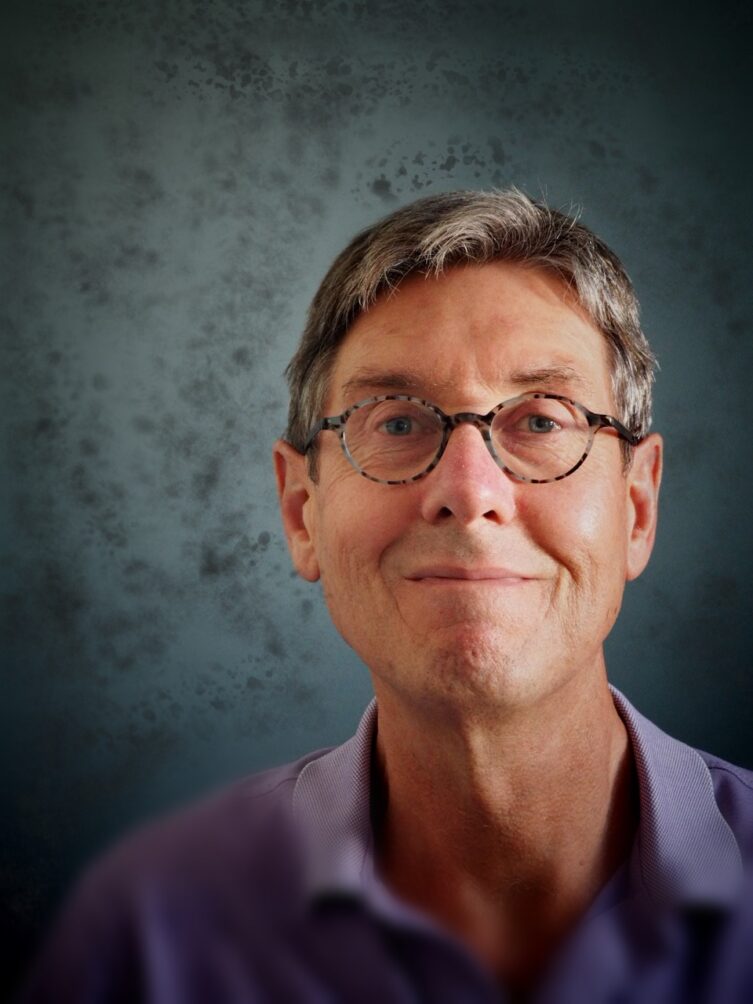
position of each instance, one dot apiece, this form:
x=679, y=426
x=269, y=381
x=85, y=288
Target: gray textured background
x=176, y=178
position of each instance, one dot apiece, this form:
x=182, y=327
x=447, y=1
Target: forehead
x=474, y=330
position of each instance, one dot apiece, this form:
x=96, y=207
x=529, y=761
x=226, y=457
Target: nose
x=467, y=484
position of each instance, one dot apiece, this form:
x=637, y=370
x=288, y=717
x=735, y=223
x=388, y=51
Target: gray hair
x=435, y=233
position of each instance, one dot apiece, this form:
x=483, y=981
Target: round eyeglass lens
x=540, y=438
x=392, y=440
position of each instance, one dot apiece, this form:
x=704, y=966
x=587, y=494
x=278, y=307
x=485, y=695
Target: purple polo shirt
x=268, y=893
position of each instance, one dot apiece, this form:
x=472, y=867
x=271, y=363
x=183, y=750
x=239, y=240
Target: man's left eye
x=540, y=423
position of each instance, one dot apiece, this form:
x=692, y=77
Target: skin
x=480, y=605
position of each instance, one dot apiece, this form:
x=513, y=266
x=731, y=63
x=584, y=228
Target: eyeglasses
x=395, y=438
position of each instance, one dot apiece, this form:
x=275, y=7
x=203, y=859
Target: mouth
x=447, y=574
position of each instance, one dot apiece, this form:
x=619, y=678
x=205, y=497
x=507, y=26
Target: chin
x=483, y=671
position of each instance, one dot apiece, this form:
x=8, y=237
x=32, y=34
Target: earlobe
x=294, y=493
x=643, y=479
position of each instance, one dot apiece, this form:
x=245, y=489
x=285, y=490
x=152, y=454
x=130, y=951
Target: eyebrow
x=540, y=377
x=548, y=377
x=366, y=379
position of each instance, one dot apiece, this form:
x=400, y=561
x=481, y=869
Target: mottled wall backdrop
x=176, y=178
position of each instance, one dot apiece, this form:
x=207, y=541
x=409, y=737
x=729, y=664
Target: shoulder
x=733, y=791
x=696, y=814
x=210, y=835
x=227, y=865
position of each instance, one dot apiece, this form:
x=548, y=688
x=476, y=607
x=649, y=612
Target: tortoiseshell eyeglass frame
x=337, y=423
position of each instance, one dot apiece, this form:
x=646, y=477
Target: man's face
x=468, y=585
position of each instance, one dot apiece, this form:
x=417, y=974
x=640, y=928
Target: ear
x=643, y=480
x=294, y=488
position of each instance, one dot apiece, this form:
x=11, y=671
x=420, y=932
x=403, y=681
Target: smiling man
x=469, y=473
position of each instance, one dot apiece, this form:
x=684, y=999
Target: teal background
x=176, y=178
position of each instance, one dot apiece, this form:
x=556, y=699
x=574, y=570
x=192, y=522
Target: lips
x=463, y=574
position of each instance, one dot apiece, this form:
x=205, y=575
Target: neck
x=506, y=826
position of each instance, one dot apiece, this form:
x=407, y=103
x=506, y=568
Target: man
x=468, y=470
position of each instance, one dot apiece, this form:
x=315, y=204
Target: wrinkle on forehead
x=551, y=377
x=475, y=334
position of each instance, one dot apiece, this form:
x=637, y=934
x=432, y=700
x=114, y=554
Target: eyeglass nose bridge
x=481, y=422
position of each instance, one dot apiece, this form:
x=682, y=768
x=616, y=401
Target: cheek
x=356, y=534
x=581, y=524
x=594, y=522
x=357, y=522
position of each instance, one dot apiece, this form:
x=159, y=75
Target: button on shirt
x=268, y=892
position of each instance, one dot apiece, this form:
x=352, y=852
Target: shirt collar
x=332, y=805
x=685, y=852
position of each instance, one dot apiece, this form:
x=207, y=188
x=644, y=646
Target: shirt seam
x=727, y=770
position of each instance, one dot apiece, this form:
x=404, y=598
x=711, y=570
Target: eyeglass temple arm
x=326, y=423
x=606, y=421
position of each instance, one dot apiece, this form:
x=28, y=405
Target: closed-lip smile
x=448, y=573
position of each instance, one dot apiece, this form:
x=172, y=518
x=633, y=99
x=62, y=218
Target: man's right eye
x=400, y=426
